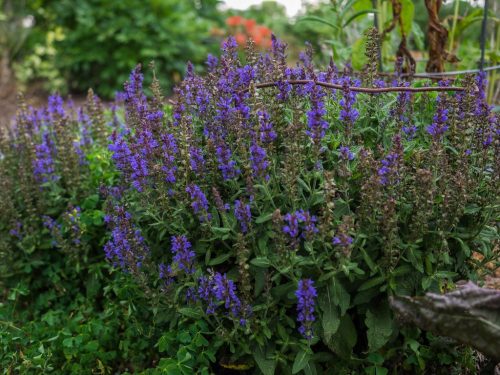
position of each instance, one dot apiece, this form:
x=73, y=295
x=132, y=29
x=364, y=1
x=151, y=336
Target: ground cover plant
x=258, y=224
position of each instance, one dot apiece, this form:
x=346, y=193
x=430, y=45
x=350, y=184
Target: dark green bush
x=104, y=40
x=307, y=197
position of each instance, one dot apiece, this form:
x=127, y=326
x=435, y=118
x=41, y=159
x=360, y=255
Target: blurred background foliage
x=68, y=46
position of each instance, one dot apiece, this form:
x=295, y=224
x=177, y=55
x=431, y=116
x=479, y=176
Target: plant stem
x=454, y=25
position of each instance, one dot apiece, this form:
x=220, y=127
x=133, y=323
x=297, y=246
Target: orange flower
x=265, y=31
x=234, y=20
x=257, y=38
x=241, y=39
x=249, y=24
x=261, y=36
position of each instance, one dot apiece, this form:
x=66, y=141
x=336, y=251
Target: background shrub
x=167, y=31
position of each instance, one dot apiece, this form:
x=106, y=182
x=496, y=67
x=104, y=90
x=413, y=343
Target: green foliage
x=188, y=350
x=104, y=39
x=339, y=25
x=65, y=309
x=41, y=63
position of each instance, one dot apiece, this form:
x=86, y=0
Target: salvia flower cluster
x=274, y=149
x=279, y=213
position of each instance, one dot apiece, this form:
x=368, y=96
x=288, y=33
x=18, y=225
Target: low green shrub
x=251, y=227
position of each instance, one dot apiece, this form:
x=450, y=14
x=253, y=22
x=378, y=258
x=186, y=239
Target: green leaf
x=190, y=312
x=263, y=218
x=379, y=323
x=418, y=36
x=407, y=14
x=359, y=14
x=91, y=202
x=220, y=259
x=261, y=262
x=165, y=341
x=344, y=339
x=310, y=369
x=221, y=230
x=301, y=360
x=371, y=283
x=283, y=289
x=184, y=337
x=320, y=20
x=358, y=53
x=330, y=319
x=368, y=260
x=340, y=209
x=260, y=281
x=267, y=366
x=92, y=346
x=341, y=296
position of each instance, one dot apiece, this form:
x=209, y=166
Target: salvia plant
x=276, y=212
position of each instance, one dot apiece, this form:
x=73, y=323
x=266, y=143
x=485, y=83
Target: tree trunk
x=437, y=35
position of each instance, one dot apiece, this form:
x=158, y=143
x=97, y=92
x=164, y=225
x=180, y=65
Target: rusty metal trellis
x=367, y=90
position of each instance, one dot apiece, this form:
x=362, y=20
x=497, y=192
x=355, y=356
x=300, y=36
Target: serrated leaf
x=379, y=322
x=330, y=318
x=267, y=366
x=344, y=339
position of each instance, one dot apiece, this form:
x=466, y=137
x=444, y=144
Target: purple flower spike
x=267, y=134
x=292, y=227
x=348, y=114
x=226, y=165
x=440, y=120
x=126, y=247
x=55, y=106
x=243, y=215
x=345, y=153
x=306, y=294
x=169, y=148
x=199, y=202
x=316, y=124
x=44, y=167
x=300, y=223
x=218, y=289
x=258, y=161
x=212, y=62
x=388, y=168
x=342, y=240
x=166, y=274
x=196, y=159
x=225, y=291
x=183, y=255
